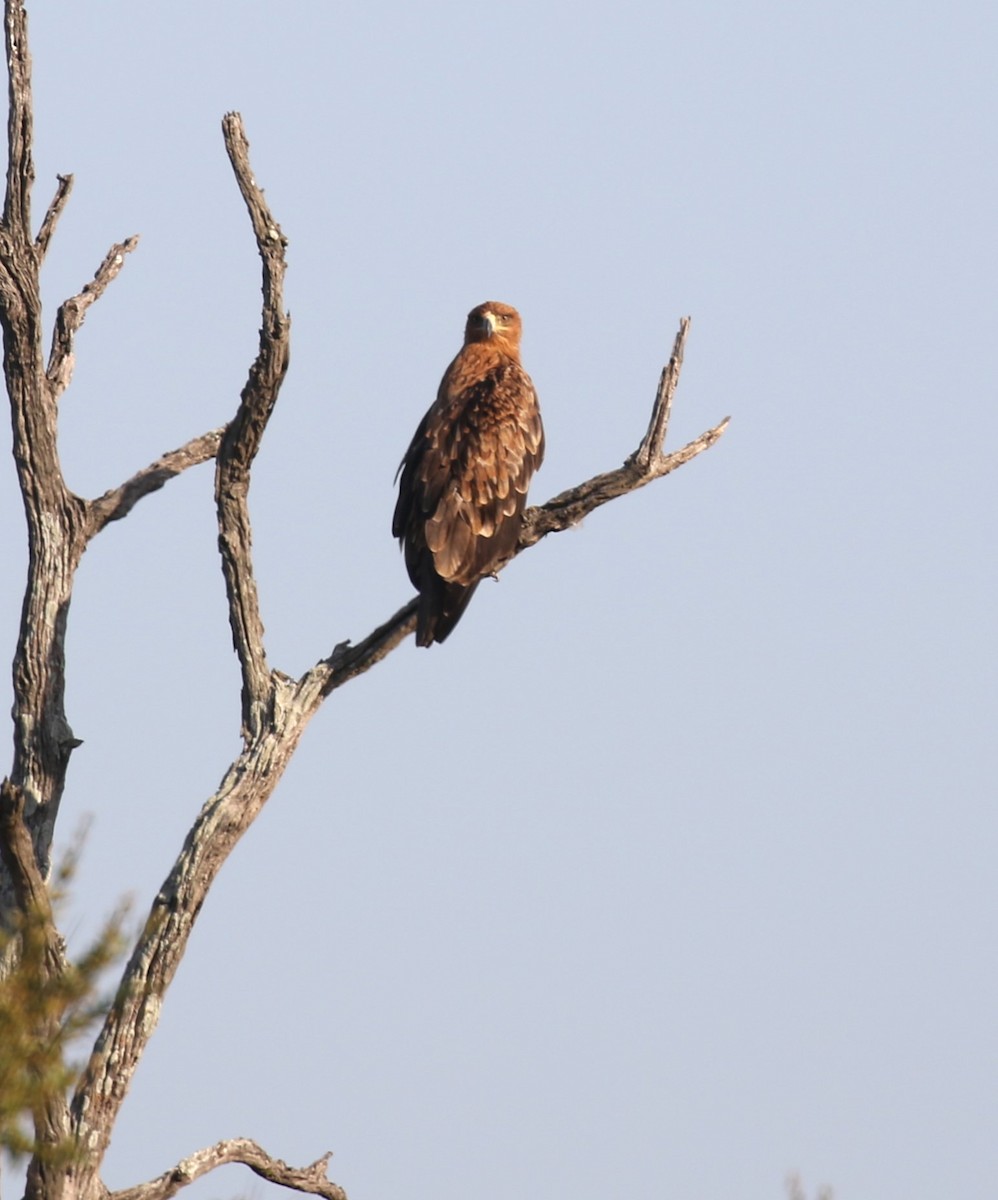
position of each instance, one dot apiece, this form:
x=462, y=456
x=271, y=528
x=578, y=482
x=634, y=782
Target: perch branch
x=648, y=462
x=241, y=440
x=311, y=1179
x=72, y=312
x=53, y=214
x=347, y=662
x=119, y=501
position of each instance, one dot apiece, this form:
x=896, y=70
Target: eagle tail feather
x=441, y=606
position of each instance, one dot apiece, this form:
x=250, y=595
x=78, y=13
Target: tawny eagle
x=465, y=476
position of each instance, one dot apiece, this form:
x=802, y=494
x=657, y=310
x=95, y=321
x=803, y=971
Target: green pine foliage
x=44, y=1008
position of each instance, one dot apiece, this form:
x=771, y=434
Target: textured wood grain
x=242, y=438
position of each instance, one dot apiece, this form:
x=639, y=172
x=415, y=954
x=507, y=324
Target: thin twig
x=71, y=313
x=53, y=214
x=241, y=440
x=119, y=501
x=651, y=443
x=311, y=1179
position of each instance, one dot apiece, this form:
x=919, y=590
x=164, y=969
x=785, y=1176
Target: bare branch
x=20, y=165
x=311, y=1179
x=347, y=662
x=568, y=508
x=53, y=214
x=651, y=444
x=242, y=440
x=72, y=312
x=119, y=501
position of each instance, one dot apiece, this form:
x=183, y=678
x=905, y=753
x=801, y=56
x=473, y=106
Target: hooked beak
x=485, y=324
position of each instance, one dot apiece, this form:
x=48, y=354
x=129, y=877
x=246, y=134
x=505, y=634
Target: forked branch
x=59, y=526
x=647, y=463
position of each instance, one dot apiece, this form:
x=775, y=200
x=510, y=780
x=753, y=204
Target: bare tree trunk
x=275, y=708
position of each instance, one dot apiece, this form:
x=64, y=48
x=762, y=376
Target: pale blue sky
x=674, y=869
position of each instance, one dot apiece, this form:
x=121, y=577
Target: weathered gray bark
x=275, y=708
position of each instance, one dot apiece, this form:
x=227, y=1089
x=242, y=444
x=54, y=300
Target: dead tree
x=275, y=706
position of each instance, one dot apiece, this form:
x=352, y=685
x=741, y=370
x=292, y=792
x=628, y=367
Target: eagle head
x=496, y=322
